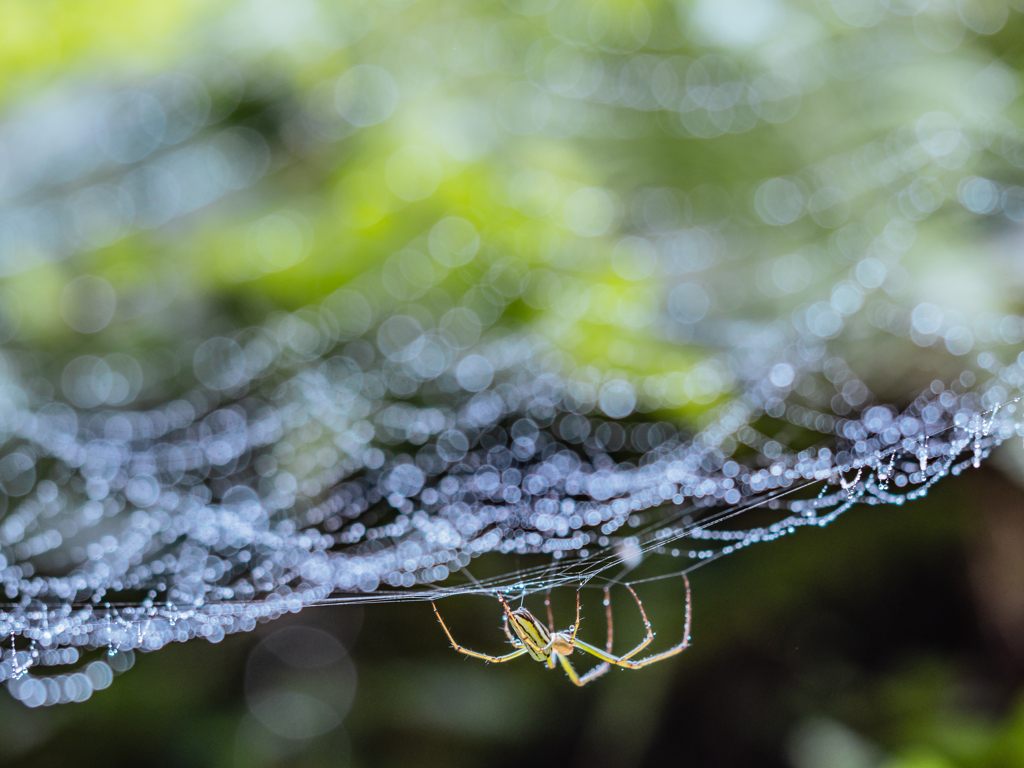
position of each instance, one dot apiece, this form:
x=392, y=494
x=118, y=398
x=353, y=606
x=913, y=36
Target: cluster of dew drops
x=370, y=446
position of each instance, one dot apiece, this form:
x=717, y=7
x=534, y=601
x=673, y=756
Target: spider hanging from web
x=544, y=644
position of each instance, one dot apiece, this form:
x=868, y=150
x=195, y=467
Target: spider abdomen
x=534, y=635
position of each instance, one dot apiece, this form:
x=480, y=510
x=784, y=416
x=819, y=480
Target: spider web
x=368, y=448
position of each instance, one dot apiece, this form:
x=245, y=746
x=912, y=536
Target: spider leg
x=625, y=661
x=572, y=672
x=574, y=676
x=508, y=612
x=593, y=674
x=576, y=625
x=504, y=605
x=608, y=614
x=515, y=643
x=682, y=646
x=647, y=624
x=607, y=656
x=600, y=669
x=551, y=618
x=474, y=654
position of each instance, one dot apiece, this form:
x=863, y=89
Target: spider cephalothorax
x=544, y=644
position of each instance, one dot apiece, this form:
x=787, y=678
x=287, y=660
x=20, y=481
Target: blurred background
x=641, y=179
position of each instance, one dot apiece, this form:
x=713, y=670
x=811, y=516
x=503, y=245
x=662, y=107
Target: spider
x=551, y=647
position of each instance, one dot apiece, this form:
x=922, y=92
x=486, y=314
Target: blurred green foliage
x=858, y=646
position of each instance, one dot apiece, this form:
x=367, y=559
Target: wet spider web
x=369, y=447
